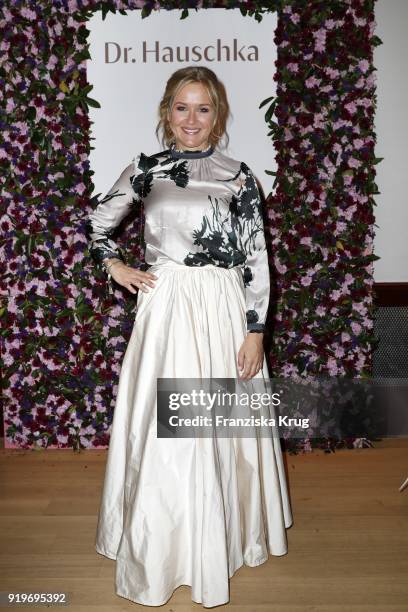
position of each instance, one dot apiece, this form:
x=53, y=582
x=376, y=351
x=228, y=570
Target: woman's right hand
x=129, y=277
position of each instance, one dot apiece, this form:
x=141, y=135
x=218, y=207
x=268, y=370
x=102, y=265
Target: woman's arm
x=106, y=217
x=256, y=267
x=256, y=274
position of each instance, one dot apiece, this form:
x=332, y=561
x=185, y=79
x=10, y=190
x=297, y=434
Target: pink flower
x=52, y=61
x=356, y=327
x=28, y=13
x=288, y=134
x=363, y=65
x=289, y=369
x=80, y=188
x=10, y=105
x=360, y=308
x=312, y=81
x=332, y=366
x=335, y=294
x=339, y=352
x=332, y=73
x=353, y=162
x=351, y=107
x=281, y=268
x=320, y=40
x=330, y=24
x=306, y=281
x=293, y=67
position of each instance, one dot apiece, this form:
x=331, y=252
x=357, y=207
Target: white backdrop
x=129, y=88
x=390, y=58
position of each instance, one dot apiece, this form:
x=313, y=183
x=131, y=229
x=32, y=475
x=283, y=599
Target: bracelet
x=108, y=266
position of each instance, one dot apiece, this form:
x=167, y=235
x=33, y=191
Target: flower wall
x=62, y=336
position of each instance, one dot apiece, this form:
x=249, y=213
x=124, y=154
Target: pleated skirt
x=187, y=511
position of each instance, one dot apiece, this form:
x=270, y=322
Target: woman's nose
x=191, y=117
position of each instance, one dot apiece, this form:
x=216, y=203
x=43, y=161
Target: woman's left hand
x=251, y=355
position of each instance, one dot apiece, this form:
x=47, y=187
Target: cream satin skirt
x=187, y=511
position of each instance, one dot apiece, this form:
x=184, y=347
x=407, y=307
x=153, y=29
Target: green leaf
x=266, y=101
x=184, y=13
x=376, y=41
x=270, y=111
x=146, y=10
x=106, y=8
x=31, y=112
x=31, y=242
x=87, y=88
x=92, y=102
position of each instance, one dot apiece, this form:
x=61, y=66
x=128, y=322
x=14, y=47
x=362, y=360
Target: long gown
x=188, y=511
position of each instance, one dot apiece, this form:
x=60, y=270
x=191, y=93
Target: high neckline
x=186, y=154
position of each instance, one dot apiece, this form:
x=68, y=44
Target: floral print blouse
x=200, y=207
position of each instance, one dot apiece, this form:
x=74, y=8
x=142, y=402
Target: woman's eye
x=182, y=108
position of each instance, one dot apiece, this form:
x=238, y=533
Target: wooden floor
x=348, y=546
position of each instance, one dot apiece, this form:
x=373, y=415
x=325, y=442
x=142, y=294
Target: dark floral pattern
x=218, y=239
x=247, y=276
x=142, y=183
x=233, y=238
x=102, y=248
x=178, y=173
x=230, y=237
x=252, y=316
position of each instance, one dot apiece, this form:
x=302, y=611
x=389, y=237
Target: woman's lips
x=191, y=130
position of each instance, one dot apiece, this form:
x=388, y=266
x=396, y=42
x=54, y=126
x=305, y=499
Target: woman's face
x=192, y=117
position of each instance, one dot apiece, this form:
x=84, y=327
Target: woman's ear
x=168, y=114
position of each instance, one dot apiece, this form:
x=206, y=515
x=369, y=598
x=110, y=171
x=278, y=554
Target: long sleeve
x=108, y=214
x=256, y=268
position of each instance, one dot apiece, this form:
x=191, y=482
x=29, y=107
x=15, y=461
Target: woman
x=188, y=511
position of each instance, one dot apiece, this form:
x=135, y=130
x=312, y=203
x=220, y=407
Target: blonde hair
x=216, y=91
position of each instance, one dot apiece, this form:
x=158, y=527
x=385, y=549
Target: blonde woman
x=188, y=511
